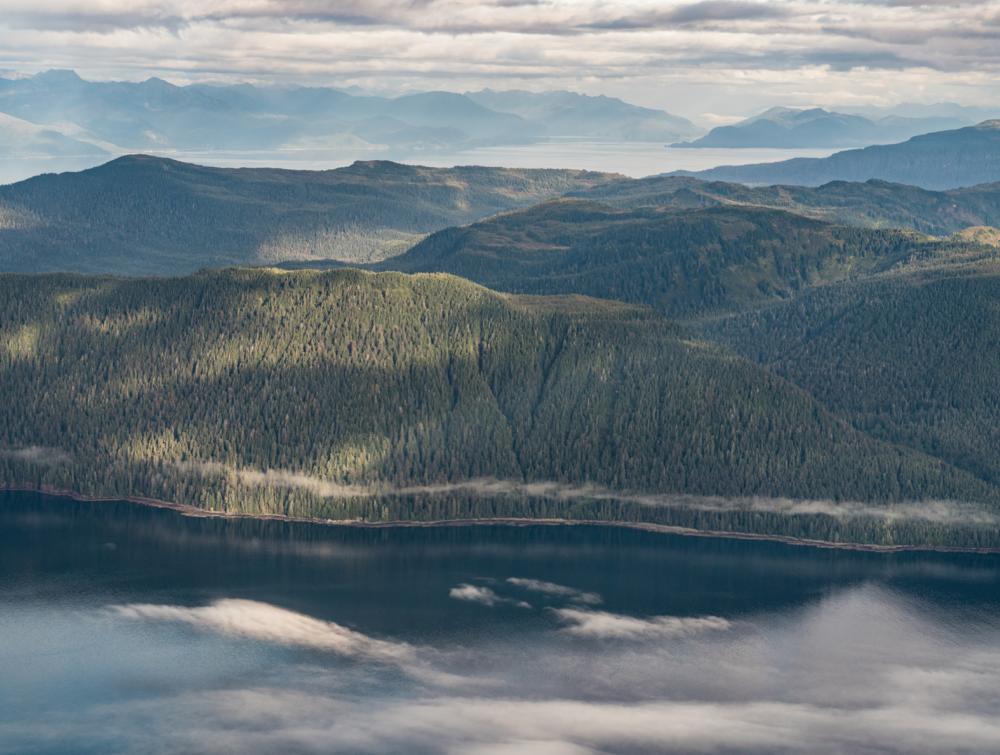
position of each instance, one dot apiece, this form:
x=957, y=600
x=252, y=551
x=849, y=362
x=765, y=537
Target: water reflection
x=129, y=629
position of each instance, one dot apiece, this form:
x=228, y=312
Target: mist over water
x=126, y=629
x=634, y=159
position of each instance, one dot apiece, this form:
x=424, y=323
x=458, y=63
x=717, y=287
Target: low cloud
x=277, y=478
x=604, y=625
x=40, y=455
x=943, y=512
x=555, y=590
x=264, y=622
x=482, y=595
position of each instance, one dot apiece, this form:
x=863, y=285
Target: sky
x=712, y=59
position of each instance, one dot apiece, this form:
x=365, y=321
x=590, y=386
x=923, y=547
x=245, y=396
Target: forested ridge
x=260, y=391
x=683, y=263
x=142, y=215
x=872, y=203
x=911, y=357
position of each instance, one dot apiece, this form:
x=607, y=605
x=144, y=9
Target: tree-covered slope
x=912, y=357
x=940, y=160
x=146, y=215
x=264, y=392
x=873, y=203
x=682, y=263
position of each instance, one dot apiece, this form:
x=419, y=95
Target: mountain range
x=141, y=215
x=639, y=339
x=873, y=203
x=939, y=160
x=784, y=128
x=155, y=115
x=147, y=215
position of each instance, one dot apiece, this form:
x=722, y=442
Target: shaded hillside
x=267, y=392
x=940, y=160
x=911, y=357
x=682, y=263
x=145, y=215
x=872, y=203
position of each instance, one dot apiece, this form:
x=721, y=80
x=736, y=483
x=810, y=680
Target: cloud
x=695, y=14
x=555, y=590
x=40, y=455
x=482, y=595
x=940, y=511
x=672, y=54
x=264, y=622
x=604, y=625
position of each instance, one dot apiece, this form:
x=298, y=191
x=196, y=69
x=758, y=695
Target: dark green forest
x=683, y=263
x=872, y=203
x=912, y=357
x=142, y=215
x=333, y=394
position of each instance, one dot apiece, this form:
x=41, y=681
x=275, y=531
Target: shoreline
x=188, y=510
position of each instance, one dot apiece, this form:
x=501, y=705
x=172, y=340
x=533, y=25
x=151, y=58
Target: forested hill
x=911, y=357
x=682, y=263
x=266, y=392
x=873, y=203
x=940, y=160
x=143, y=215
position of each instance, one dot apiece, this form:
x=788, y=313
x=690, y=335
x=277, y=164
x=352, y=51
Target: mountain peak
x=59, y=76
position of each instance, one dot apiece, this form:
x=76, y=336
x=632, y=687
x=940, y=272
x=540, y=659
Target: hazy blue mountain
x=568, y=114
x=157, y=115
x=872, y=203
x=940, y=160
x=961, y=115
x=782, y=127
x=147, y=215
x=29, y=140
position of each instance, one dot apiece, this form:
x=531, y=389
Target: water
x=633, y=159
x=126, y=629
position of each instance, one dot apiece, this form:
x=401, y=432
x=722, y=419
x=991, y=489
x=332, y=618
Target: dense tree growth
x=873, y=203
x=191, y=389
x=682, y=263
x=912, y=357
x=143, y=215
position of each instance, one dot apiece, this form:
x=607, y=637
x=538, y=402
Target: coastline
x=195, y=512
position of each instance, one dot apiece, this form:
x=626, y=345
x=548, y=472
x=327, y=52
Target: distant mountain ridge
x=569, y=114
x=873, y=203
x=785, y=128
x=142, y=215
x=157, y=115
x=684, y=263
x=939, y=160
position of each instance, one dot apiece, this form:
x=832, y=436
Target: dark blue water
x=127, y=629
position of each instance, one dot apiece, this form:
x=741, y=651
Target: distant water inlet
x=635, y=159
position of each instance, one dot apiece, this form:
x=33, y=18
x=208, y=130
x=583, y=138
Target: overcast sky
x=701, y=59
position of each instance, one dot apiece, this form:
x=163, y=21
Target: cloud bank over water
x=933, y=511
x=483, y=595
x=603, y=625
x=263, y=622
x=555, y=590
